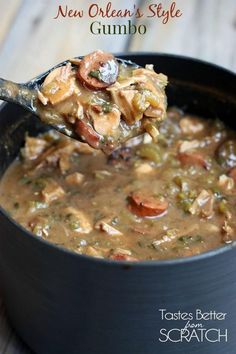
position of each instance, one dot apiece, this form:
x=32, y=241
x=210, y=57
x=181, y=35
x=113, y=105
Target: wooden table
x=32, y=41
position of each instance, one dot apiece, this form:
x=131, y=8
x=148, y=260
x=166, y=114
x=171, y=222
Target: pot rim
x=176, y=56
x=143, y=263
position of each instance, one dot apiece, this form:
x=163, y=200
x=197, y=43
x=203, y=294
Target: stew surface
x=173, y=198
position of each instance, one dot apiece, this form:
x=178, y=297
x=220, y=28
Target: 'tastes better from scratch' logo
x=195, y=326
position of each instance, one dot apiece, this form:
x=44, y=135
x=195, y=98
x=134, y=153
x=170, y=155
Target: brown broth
x=90, y=212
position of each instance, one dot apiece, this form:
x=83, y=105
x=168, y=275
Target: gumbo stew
x=147, y=200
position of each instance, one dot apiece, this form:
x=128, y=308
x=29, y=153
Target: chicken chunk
x=141, y=95
x=94, y=252
x=143, y=169
x=203, y=204
x=148, y=71
x=58, y=85
x=105, y=123
x=190, y=126
x=77, y=220
x=188, y=145
x=75, y=179
x=60, y=154
x=123, y=98
x=104, y=225
x=228, y=232
x=226, y=183
x=40, y=226
x=71, y=109
x=43, y=99
x=62, y=73
x=34, y=147
x=52, y=191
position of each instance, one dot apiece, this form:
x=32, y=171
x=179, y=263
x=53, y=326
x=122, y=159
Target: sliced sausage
x=123, y=257
x=142, y=204
x=98, y=70
x=192, y=158
x=87, y=133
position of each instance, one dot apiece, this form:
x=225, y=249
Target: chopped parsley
x=96, y=74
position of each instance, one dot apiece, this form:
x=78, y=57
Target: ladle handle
x=20, y=94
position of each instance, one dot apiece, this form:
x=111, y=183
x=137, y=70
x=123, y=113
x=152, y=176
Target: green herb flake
x=178, y=181
x=35, y=204
x=72, y=221
x=39, y=184
x=186, y=199
x=223, y=207
x=74, y=225
x=106, y=107
x=187, y=240
x=95, y=74
x=25, y=180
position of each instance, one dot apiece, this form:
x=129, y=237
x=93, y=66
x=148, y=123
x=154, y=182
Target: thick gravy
x=173, y=198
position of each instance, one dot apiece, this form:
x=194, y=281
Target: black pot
x=61, y=302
